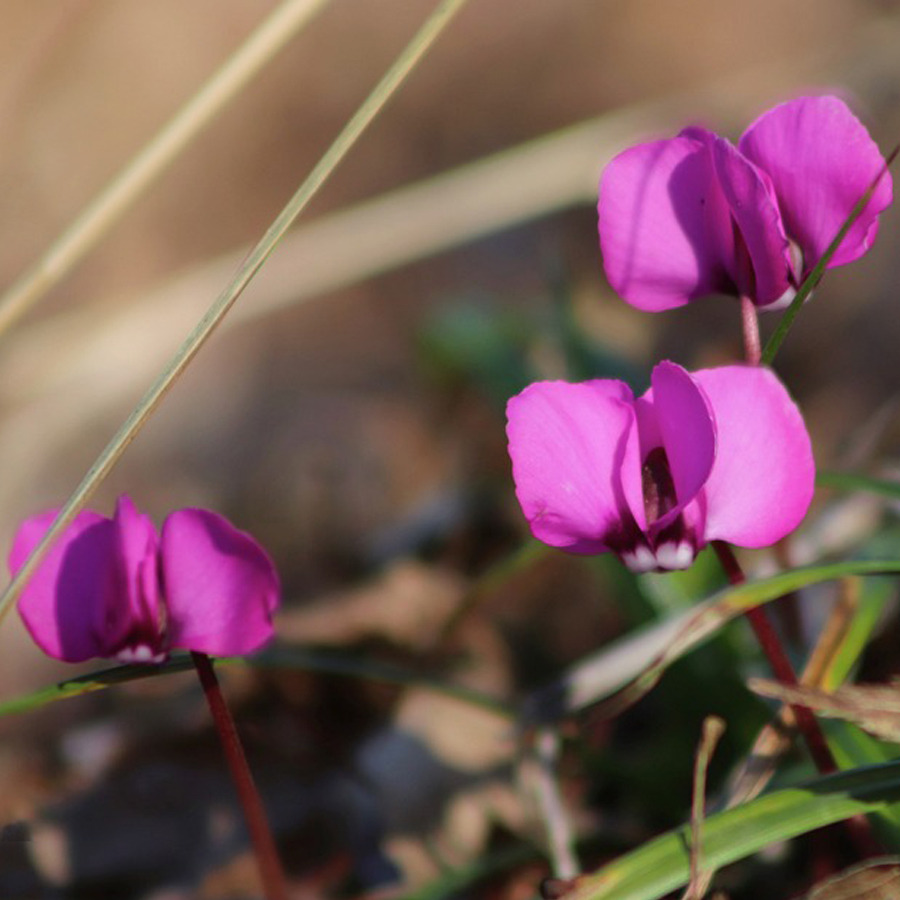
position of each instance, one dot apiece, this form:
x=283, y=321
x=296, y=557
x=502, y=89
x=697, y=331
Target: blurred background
x=351, y=413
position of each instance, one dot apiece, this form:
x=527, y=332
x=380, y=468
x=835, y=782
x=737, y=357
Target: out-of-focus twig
x=538, y=769
x=713, y=729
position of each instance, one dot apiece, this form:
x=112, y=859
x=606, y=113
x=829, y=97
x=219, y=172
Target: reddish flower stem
x=781, y=665
x=750, y=328
x=270, y=870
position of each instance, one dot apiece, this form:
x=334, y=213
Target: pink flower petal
x=662, y=223
x=132, y=625
x=63, y=604
x=821, y=161
x=575, y=459
x=761, y=268
x=763, y=477
x=687, y=430
x=220, y=586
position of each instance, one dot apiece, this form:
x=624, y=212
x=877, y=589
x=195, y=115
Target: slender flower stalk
x=750, y=329
x=859, y=828
x=115, y=587
x=781, y=665
x=270, y=868
x=765, y=632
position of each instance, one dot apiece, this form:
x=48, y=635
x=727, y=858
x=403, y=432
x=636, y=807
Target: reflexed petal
x=821, y=161
x=763, y=477
x=766, y=276
x=574, y=457
x=687, y=430
x=220, y=586
x=132, y=622
x=659, y=213
x=63, y=604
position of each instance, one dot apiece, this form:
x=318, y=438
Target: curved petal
x=762, y=265
x=763, y=477
x=573, y=461
x=63, y=603
x=132, y=621
x=821, y=161
x=675, y=415
x=221, y=588
x=686, y=426
x=660, y=211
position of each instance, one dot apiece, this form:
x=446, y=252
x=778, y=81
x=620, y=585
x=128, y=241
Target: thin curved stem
x=270, y=869
x=781, y=665
x=750, y=328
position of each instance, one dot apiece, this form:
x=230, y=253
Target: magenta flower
x=114, y=588
x=716, y=454
x=695, y=215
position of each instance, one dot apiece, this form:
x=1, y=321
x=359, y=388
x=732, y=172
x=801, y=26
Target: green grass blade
x=663, y=864
x=626, y=670
x=348, y=136
x=86, y=684
x=278, y=657
x=853, y=748
x=875, y=594
x=117, y=197
x=814, y=277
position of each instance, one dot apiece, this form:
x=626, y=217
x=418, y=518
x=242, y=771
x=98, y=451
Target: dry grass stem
x=347, y=138
x=96, y=220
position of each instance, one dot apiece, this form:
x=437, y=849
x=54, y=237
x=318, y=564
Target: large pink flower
x=695, y=215
x=716, y=454
x=114, y=588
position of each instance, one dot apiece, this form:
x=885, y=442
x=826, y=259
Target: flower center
x=658, y=485
x=674, y=546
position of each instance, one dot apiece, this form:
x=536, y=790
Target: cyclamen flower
x=695, y=215
x=114, y=588
x=717, y=454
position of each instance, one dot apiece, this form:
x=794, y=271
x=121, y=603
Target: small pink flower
x=114, y=588
x=716, y=454
x=694, y=215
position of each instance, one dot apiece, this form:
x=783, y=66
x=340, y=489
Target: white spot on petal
x=140, y=654
x=675, y=556
x=783, y=302
x=641, y=559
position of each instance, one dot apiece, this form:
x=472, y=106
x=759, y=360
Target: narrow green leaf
x=85, y=684
x=278, y=657
x=853, y=748
x=663, y=864
x=874, y=593
x=626, y=670
x=814, y=277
